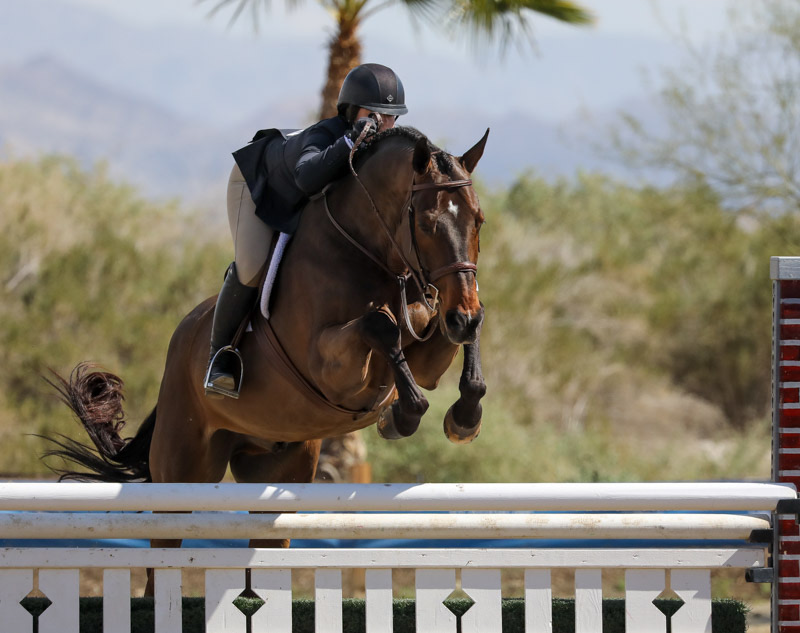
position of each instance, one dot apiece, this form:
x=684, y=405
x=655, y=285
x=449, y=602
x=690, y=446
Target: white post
x=328, y=601
x=379, y=600
x=274, y=587
x=433, y=586
x=588, y=601
x=61, y=586
x=642, y=586
x=538, y=601
x=15, y=584
x=693, y=586
x=117, y=601
x=223, y=586
x=483, y=586
x=168, y=605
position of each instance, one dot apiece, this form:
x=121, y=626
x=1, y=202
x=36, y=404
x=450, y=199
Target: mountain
x=199, y=73
x=49, y=107
x=206, y=73
x=165, y=106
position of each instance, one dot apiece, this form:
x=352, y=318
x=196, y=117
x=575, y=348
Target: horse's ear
x=422, y=156
x=471, y=157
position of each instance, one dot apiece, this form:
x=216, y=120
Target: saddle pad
x=272, y=272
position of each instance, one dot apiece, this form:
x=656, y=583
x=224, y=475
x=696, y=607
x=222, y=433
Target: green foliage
x=627, y=337
x=91, y=272
x=627, y=332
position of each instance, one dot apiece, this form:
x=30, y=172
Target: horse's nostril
x=456, y=321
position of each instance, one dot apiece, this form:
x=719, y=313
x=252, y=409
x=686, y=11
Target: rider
x=272, y=179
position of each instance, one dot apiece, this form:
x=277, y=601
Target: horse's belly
x=278, y=406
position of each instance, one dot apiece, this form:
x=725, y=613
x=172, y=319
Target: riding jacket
x=283, y=168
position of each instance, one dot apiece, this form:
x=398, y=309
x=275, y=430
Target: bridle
x=422, y=277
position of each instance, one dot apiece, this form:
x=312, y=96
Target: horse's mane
x=443, y=160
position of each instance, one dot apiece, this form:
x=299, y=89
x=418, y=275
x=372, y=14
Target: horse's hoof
x=459, y=434
x=386, y=426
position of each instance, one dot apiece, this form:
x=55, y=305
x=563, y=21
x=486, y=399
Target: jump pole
x=785, y=274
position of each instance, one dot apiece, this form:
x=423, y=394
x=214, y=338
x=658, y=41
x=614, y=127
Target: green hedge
x=728, y=615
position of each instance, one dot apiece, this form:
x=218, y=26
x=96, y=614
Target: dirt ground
x=758, y=618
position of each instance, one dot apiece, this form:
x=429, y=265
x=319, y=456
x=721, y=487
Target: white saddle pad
x=272, y=273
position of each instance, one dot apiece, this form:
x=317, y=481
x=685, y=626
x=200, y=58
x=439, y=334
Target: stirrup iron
x=211, y=388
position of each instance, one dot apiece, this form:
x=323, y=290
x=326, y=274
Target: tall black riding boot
x=225, y=364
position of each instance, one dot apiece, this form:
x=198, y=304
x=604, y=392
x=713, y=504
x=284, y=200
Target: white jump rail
x=705, y=515
x=559, y=497
x=690, y=529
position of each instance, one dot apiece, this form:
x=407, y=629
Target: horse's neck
x=372, y=203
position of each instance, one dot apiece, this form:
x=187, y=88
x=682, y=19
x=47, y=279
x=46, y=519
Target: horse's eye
x=427, y=222
x=428, y=227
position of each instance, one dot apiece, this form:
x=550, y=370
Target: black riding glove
x=358, y=127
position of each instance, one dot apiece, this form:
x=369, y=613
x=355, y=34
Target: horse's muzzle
x=462, y=327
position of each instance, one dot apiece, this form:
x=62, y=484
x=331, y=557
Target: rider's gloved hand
x=358, y=127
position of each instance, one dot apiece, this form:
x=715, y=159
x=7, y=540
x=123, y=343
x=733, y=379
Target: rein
x=422, y=277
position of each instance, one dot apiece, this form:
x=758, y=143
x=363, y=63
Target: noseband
x=423, y=278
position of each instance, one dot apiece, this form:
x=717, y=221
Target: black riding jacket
x=283, y=168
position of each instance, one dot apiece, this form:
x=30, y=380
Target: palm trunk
x=344, y=55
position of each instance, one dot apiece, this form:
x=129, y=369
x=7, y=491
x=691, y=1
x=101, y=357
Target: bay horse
x=376, y=293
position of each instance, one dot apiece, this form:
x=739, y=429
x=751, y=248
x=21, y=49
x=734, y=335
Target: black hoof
x=459, y=434
x=388, y=428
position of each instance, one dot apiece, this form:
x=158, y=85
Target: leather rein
x=421, y=276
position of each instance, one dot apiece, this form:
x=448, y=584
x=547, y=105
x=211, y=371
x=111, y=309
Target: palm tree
x=498, y=21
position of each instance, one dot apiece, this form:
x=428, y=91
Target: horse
x=376, y=293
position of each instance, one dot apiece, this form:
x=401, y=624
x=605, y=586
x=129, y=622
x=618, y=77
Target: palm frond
x=257, y=7
x=561, y=10
x=429, y=10
x=497, y=21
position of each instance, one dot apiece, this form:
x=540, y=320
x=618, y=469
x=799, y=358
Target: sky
x=633, y=17
x=644, y=29
x=547, y=108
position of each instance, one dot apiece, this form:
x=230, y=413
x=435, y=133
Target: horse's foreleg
x=382, y=334
x=462, y=422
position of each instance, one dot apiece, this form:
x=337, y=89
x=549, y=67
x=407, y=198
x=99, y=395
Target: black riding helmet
x=374, y=87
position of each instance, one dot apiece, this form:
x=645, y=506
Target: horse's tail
x=96, y=399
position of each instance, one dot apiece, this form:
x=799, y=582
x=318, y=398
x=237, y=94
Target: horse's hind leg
x=292, y=463
x=183, y=451
x=295, y=462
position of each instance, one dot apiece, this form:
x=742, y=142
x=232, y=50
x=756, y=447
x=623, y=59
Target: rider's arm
x=320, y=162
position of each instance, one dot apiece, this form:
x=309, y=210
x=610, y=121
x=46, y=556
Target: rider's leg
x=251, y=240
x=234, y=302
x=251, y=237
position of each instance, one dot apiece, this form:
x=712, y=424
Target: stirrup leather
x=211, y=388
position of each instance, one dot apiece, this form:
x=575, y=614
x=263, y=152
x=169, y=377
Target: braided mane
x=443, y=160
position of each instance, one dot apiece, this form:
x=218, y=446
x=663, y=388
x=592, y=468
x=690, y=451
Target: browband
x=450, y=184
